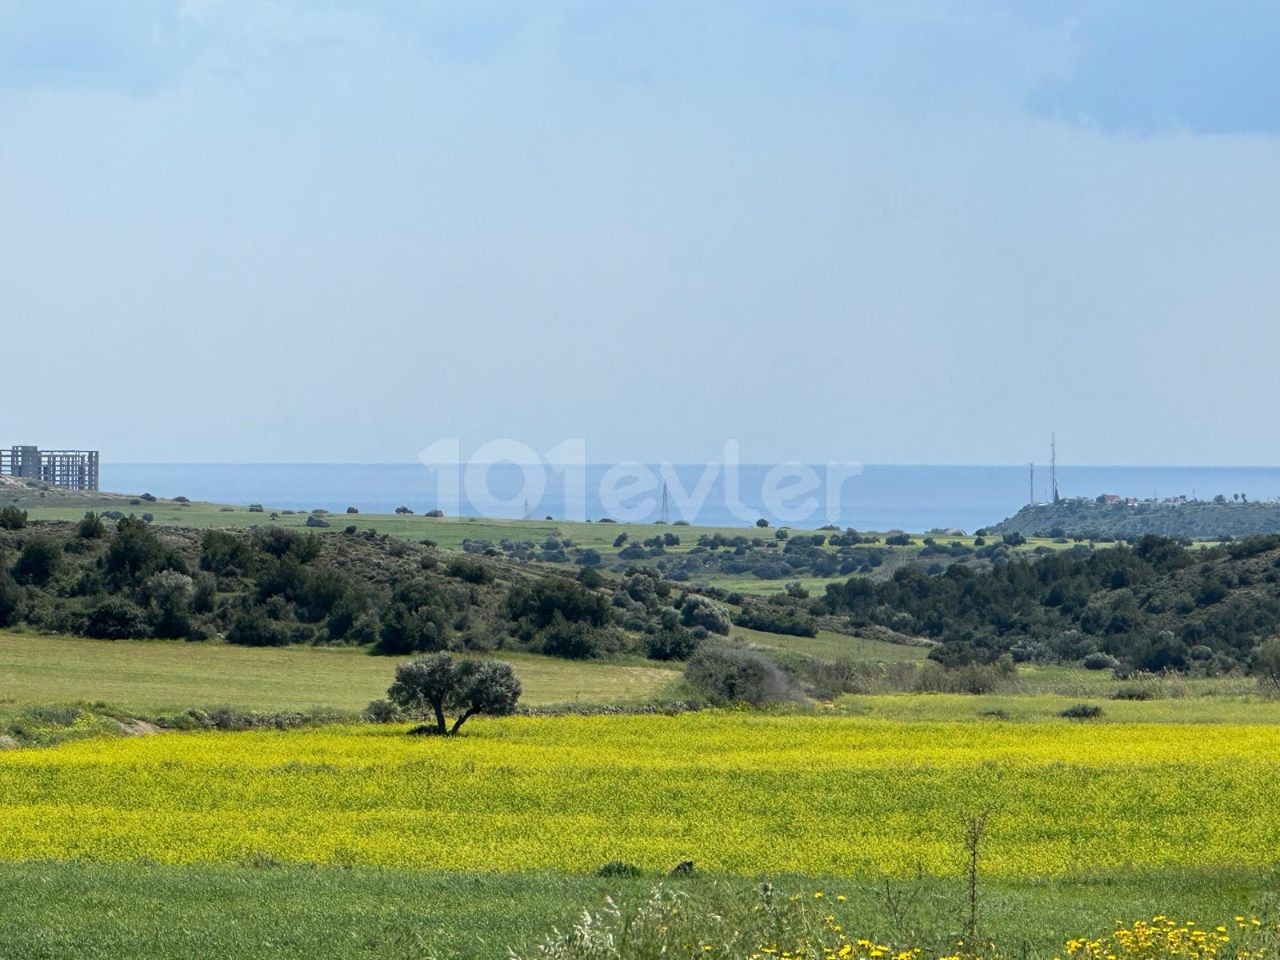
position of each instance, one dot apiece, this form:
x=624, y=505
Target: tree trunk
x=462, y=718
x=438, y=707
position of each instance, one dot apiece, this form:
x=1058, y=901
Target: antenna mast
x=1053, y=465
x=1032, y=496
x=666, y=509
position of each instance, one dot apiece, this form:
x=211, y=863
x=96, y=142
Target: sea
x=870, y=497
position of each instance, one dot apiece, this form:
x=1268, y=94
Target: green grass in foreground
x=78, y=911
x=156, y=676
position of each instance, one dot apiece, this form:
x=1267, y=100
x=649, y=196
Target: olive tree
x=437, y=684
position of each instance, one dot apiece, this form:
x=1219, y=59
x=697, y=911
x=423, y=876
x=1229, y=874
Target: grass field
x=154, y=676
x=1021, y=708
x=833, y=646
x=80, y=911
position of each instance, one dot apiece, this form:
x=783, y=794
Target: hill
x=1130, y=519
x=1154, y=605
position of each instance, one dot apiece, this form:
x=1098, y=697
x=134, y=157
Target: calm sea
x=881, y=497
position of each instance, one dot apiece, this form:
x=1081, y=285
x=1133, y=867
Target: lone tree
x=436, y=683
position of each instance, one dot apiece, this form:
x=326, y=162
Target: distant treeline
x=1156, y=604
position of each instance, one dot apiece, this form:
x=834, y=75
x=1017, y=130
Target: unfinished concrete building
x=70, y=469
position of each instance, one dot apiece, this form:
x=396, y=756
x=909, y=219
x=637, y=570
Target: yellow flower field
x=735, y=792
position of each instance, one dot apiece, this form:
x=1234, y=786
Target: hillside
x=1155, y=605
x=1179, y=519
x=273, y=587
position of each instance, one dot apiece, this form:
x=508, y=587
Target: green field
x=82, y=911
x=833, y=646
x=157, y=676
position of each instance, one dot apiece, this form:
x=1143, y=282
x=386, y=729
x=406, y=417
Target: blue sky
x=923, y=232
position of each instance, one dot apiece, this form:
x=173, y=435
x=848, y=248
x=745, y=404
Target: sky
x=915, y=231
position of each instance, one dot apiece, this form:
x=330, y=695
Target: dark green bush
x=671, y=643
x=116, y=618
x=10, y=600
x=252, y=628
x=698, y=611
x=732, y=675
x=573, y=640
x=91, y=527
x=11, y=518
x=1100, y=661
x=1082, y=711
x=470, y=571
x=788, y=621
x=38, y=563
x=382, y=711
x=618, y=868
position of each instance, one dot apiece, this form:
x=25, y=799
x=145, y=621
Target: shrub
x=226, y=554
x=403, y=511
x=534, y=606
x=38, y=563
x=1082, y=711
x=1100, y=661
x=762, y=523
x=731, y=675
x=671, y=643
x=382, y=711
x=1133, y=693
x=783, y=620
x=409, y=628
x=116, y=618
x=10, y=600
x=469, y=570
x=317, y=521
x=698, y=611
x=278, y=542
x=133, y=554
x=618, y=868
x=436, y=684
x=573, y=640
x=169, y=594
x=11, y=518
x=1265, y=664
x=256, y=508
x=352, y=510
x=253, y=628
x=91, y=527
